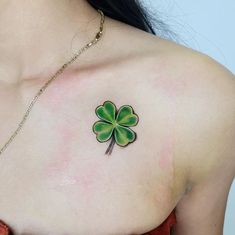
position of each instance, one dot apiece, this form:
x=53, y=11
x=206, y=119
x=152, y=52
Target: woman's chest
x=55, y=177
x=81, y=192
x=72, y=186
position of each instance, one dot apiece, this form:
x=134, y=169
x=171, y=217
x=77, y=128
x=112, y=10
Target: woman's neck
x=38, y=34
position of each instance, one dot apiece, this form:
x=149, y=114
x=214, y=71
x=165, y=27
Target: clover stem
x=111, y=145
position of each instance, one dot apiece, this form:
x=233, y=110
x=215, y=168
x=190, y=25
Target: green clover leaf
x=115, y=124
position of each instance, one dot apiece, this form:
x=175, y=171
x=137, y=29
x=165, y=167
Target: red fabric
x=4, y=229
x=163, y=229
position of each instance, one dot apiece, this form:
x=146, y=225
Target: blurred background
x=207, y=26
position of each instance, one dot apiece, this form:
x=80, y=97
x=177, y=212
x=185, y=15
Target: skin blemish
x=82, y=180
x=166, y=163
x=66, y=88
x=87, y=175
x=166, y=151
x=66, y=172
x=63, y=153
x=83, y=176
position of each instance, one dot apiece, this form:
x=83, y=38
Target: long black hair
x=134, y=13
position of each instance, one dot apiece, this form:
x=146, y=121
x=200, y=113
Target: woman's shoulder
x=172, y=59
x=200, y=89
x=202, y=92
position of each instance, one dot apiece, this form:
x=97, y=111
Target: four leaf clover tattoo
x=115, y=125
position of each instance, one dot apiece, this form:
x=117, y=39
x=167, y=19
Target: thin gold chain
x=52, y=78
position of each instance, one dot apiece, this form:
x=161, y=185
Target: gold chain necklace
x=52, y=78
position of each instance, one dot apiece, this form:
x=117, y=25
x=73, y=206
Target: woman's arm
x=207, y=143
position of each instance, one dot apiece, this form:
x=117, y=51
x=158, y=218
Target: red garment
x=4, y=229
x=163, y=229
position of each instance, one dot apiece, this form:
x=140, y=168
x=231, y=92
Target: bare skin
x=55, y=178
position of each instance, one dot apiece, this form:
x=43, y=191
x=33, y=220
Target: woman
x=164, y=115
